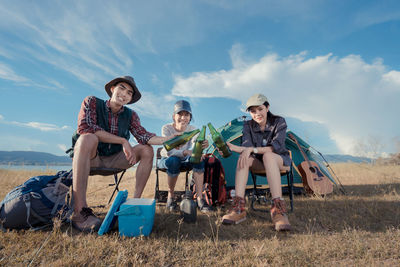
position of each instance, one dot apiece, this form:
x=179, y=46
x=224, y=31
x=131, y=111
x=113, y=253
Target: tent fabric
x=232, y=132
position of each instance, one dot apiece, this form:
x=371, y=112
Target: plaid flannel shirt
x=87, y=121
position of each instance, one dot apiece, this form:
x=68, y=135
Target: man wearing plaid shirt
x=104, y=128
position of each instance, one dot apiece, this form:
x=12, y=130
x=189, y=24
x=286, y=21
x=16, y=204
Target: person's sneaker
x=85, y=221
x=203, y=206
x=279, y=215
x=171, y=205
x=238, y=212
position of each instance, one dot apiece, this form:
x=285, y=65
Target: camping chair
x=108, y=172
x=260, y=195
x=161, y=195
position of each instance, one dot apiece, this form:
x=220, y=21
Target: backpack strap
x=53, y=211
x=1, y=222
x=27, y=200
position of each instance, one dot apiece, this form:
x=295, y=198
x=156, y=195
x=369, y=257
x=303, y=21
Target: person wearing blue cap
x=102, y=140
x=172, y=160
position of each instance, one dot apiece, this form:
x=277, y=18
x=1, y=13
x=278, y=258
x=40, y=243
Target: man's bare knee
x=87, y=143
x=146, y=152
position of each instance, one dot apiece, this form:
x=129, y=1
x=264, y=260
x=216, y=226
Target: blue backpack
x=36, y=202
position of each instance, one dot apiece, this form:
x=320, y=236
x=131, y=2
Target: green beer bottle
x=219, y=141
x=198, y=150
x=180, y=139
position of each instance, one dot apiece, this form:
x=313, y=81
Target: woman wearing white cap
x=177, y=157
x=263, y=148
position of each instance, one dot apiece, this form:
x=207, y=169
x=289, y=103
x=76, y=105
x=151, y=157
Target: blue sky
x=332, y=68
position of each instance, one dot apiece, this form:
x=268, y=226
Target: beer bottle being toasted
x=180, y=139
x=198, y=150
x=219, y=141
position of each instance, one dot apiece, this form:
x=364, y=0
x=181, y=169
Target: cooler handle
x=134, y=210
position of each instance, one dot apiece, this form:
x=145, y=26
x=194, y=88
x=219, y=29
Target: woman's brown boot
x=279, y=215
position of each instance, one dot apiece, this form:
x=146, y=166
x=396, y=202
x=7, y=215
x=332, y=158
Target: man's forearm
x=158, y=140
x=109, y=138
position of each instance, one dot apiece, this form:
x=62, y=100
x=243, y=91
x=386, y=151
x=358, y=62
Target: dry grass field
x=361, y=228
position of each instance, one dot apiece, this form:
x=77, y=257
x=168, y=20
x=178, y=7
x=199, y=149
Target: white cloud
x=350, y=97
x=392, y=79
x=7, y=73
x=376, y=13
x=92, y=41
x=62, y=147
x=154, y=106
x=4, y=53
x=45, y=127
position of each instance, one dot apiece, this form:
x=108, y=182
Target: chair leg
x=117, y=181
x=253, y=198
x=157, y=189
x=256, y=196
x=289, y=175
x=187, y=188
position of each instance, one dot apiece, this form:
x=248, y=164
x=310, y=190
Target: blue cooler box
x=136, y=216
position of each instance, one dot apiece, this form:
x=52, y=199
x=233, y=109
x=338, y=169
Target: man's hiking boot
x=238, y=212
x=171, y=205
x=203, y=206
x=279, y=215
x=86, y=221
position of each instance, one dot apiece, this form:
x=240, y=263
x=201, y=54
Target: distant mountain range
x=335, y=158
x=42, y=158
x=32, y=158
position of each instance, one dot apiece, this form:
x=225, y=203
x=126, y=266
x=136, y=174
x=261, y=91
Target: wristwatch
x=255, y=150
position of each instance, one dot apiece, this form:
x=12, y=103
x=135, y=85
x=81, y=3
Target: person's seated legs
x=85, y=149
x=85, y=157
x=238, y=212
x=144, y=155
x=172, y=164
x=198, y=174
x=273, y=164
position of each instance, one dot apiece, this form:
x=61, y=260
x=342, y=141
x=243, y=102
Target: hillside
x=32, y=158
x=336, y=158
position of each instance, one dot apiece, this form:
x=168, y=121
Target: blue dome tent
x=232, y=132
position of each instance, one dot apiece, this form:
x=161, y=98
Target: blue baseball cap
x=182, y=105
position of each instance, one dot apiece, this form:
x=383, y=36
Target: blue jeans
x=173, y=165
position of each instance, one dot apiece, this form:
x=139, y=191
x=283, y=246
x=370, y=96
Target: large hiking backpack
x=36, y=202
x=214, y=187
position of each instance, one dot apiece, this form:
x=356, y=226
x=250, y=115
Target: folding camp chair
x=107, y=172
x=260, y=195
x=161, y=195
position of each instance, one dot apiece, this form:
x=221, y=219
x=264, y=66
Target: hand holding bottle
x=205, y=144
x=179, y=139
x=219, y=141
x=198, y=147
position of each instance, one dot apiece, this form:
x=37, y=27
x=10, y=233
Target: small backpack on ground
x=36, y=202
x=214, y=187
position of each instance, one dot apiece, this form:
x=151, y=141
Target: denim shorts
x=173, y=165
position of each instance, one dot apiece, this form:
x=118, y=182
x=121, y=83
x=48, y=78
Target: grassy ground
x=359, y=228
